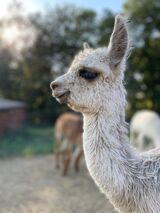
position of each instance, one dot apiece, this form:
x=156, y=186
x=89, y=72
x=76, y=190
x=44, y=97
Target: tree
x=14, y=37
x=144, y=64
x=60, y=33
x=105, y=27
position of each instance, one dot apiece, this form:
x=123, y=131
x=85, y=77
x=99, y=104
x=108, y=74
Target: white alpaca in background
x=145, y=130
x=94, y=86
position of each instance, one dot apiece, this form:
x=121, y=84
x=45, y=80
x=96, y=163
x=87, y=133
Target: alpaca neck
x=107, y=152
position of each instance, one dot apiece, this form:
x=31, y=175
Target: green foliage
x=5, y=77
x=143, y=76
x=59, y=34
x=27, y=141
x=105, y=27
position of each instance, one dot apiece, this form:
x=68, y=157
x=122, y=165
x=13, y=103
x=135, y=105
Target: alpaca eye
x=88, y=75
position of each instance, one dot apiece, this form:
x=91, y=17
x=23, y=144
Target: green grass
x=27, y=141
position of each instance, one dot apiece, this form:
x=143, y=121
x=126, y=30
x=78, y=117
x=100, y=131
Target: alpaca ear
x=86, y=45
x=118, y=44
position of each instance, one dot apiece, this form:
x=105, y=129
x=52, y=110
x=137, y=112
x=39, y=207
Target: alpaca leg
x=57, y=153
x=78, y=155
x=66, y=155
x=66, y=161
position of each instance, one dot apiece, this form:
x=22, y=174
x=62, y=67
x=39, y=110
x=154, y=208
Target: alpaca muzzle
x=57, y=92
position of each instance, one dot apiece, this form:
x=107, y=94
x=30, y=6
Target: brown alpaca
x=68, y=133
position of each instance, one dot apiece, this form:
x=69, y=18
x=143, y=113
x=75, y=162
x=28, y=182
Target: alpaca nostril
x=54, y=85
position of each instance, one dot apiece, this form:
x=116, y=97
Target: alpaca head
x=94, y=80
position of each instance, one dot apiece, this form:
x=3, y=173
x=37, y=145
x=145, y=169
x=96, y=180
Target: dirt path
x=34, y=186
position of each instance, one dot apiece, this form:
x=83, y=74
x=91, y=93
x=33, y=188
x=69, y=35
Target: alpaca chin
x=77, y=108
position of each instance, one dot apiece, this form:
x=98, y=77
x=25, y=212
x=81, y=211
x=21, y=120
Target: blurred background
x=38, y=39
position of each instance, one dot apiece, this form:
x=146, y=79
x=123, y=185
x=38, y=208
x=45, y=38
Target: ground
x=33, y=185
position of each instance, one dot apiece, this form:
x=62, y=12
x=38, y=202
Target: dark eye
x=88, y=75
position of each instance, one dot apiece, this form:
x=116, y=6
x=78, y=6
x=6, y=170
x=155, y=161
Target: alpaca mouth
x=62, y=98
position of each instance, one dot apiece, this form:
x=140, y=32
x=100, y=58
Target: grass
x=27, y=141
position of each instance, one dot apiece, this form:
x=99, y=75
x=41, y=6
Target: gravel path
x=33, y=185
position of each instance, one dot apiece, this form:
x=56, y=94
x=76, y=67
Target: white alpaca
x=145, y=130
x=94, y=86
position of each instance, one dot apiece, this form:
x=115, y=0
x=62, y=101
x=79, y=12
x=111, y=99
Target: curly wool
x=130, y=180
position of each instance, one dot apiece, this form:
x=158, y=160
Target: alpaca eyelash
x=88, y=75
